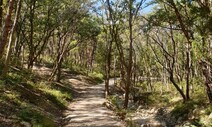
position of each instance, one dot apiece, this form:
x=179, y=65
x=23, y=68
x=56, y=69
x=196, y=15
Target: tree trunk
x=31, y=45
x=30, y=59
x=7, y=59
x=61, y=50
x=93, y=55
x=189, y=48
x=109, y=49
x=23, y=55
x=108, y=64
x=1, y=14
x=208, y=78
x=188, y=70
x=177, y=87
x=130, y=62
x=6, y=28
x=114, y=69
x=59, y=65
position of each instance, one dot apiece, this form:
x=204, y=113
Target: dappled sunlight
x=87, y=109
x=77, y=82
x=105, y=63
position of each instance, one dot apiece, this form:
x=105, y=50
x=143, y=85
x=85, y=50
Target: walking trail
x=87, y=108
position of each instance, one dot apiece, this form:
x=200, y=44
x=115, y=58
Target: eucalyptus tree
x=202, y=11
x=182, y=17
x=110, y=15
x=165, y=49
x=87, y=32
x=113, y=15
x=37, y=18
x=187, y=13
x=69, y=16
x=124, y=13
x=6, y=27
x=11, y=40
x=82, y=37
x=133, y=7
x=168, y=17
x=1, y=12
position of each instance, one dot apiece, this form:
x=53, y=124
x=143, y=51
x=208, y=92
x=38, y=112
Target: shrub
x=35, y=118
x=98, y=77
x=57, y=96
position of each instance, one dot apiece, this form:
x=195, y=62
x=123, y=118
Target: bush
x=35, y=118
x=182, y=110
x=58, y=97
x=98, y=77
x=31, y=98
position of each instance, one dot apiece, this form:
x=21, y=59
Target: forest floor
x=28, y=99
x=87, y=108
x=161, y=110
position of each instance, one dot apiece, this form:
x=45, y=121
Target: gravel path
x=87, y=109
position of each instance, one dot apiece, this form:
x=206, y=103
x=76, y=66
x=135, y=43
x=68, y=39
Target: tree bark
x=188, y=70
x=177, y=87
x=7, y=59
x=31, y=45
x=130, y=62
x=1, y=14
x=109, y=49
x=108, y=64
x=208, y=78
x=6, y=28
x=93, y=55
x=189, y=48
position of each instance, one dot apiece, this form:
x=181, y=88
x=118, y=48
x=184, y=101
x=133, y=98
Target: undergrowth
x=194, y=112
x=26, y=96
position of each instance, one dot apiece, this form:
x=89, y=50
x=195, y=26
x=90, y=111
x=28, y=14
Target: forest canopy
x=167, y=49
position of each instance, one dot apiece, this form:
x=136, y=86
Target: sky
x=147, y=9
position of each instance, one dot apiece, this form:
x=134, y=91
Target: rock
x=210, y=116
x=152, y=110
x=108, y=105
x=139, y=108
x=187, y=124
x=156, y=125
x=25, y=124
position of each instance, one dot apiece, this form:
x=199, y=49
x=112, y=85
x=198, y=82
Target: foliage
x=193, y=109
x=105, y=40
x=183, y=109
x=35, y=118
x=98, y=77
x=56, y=96
x=117, y=103
x=32, y=99
x=88, y=28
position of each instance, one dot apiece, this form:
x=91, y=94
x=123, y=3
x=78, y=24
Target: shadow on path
x=87, y=108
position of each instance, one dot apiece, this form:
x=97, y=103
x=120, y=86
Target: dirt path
x=87, y=109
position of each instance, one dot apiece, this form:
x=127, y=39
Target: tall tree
x=12, y=32
x=1, y=13
x=6, y=28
